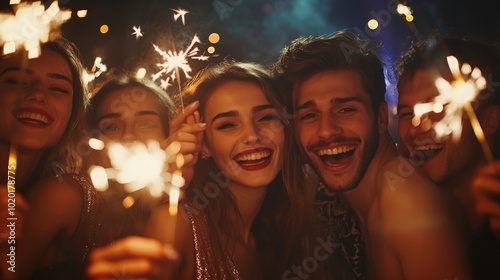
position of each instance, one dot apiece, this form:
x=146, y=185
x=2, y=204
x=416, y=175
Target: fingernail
x=194, y=103
x=171, y=254
x=202, y=125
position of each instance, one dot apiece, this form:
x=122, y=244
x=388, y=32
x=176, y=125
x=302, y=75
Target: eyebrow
x=339, y=100
x=235, y=113
x=118, y=115
x=109, y=116
x=50, y=75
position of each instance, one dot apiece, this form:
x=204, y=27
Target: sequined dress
x=211, y=261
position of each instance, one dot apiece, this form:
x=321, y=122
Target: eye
x=308, y=116
x=225, y=126
x=17, y=80
x=107, y=127
x=405, y=114
x=147, y=125
x=58, y=89
x=347, y=110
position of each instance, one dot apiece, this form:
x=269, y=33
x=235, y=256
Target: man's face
x=439, y=157
x=337, y=127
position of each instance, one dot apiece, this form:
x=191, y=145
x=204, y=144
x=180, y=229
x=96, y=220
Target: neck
x=249, y=201
x=26, y=162
x=360, y=198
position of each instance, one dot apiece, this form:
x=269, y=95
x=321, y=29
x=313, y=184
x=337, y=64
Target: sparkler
x=174, y=62
x=137, y=32
x=138, y=166
x=453, y=99
x=97, y=69
x=30, y=25
x=180, y=13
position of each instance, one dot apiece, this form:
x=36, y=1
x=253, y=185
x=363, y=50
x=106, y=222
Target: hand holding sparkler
x=187, y=130
x=486, y=191
x=124, y=258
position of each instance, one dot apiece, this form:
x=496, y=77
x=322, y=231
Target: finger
x=488, y=206
x=197, y=117
x=486, y=185
x=180, y=119
x=135, y=247
x=133, y=267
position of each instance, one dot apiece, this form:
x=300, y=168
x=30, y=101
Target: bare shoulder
x=406, y=194
x=64, y=191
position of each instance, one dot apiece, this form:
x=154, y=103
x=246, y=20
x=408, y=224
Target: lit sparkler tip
x=31, y=25
x=180, y=13
x=137, y=32
x=99, y=178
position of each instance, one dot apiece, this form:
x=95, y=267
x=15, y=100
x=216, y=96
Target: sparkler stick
x=478, y=131
x=476, y=126
x=12, y=167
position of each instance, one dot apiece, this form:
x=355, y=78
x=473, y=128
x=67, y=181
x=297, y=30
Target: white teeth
x=33, y=116
x=429, y=147
x=335, y=151
x=253, y=156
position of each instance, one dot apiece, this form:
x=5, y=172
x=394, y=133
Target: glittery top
x=211, y=261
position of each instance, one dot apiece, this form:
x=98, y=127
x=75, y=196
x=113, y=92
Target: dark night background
x=256, y=30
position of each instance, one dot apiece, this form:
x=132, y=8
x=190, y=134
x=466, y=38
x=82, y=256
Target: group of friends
x=291, y=171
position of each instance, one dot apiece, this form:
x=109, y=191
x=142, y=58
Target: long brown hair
x=275, y=228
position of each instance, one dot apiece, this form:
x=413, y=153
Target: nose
x=36, y=94
x=328, y=127
x=128, y=134
x=250, y=133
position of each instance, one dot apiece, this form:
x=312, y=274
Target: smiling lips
x=427, y=151
x=254, y=159
x=33, y=118
x=336, y=157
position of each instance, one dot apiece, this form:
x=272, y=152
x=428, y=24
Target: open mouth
x=336, y=156
x=34, y=119
x=254, y=159
x=426, y=151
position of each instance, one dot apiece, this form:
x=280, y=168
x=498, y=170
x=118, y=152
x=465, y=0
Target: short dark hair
x=342, y=50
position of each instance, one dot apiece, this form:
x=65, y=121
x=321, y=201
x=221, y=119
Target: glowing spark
x=81, y=13
x=137, y=166
x=173, y=61
x=453, y=99
x=180, y=13
x=137, y=32
x=30, y=26
x=97, y=69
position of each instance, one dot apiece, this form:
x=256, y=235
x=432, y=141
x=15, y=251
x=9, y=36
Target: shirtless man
x=335, y=87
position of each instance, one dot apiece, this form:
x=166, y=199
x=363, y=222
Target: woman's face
x=244, y=134
x=35, y=100
x=131, y=114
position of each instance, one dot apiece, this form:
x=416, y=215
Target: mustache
x=325, y=143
